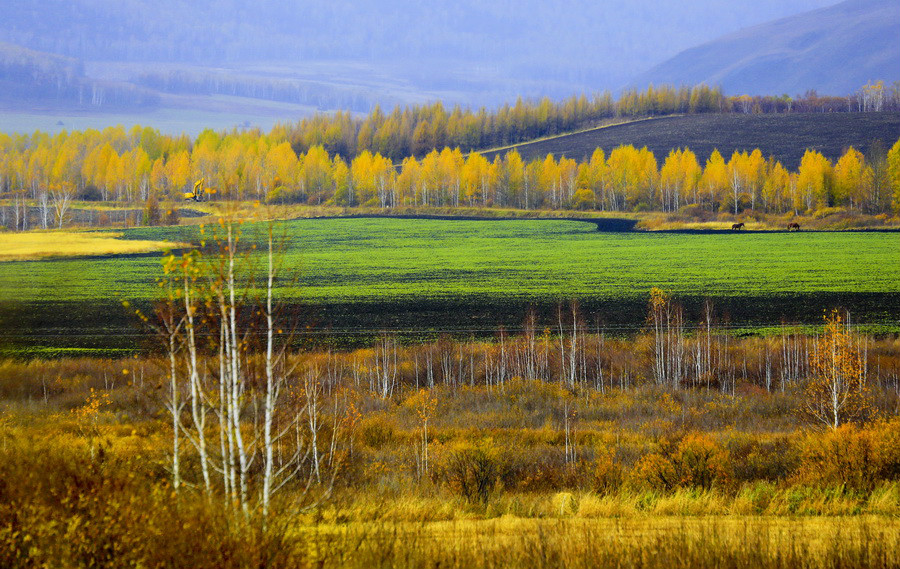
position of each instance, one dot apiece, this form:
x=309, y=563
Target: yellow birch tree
x=836, y=392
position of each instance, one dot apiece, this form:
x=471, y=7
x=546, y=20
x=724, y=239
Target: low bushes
x=851, y=457
x=696, y=461
x=61, y=508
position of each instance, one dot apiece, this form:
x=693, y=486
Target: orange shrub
x=655, y=472
x=755, y=458
x=472, y=471
x=608, y=473
x=857, y=458
x=696, y=462
x=61, y=508
x=701, y=462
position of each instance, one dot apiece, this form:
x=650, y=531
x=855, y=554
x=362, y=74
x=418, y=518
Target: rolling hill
x=835, y=50
x=783, y=136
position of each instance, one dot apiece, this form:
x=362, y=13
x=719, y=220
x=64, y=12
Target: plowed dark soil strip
x=785, y=137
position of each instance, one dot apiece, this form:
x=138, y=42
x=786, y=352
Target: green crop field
x=406, y=273
x=396, y=259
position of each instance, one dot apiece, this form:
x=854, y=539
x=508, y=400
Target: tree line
x=289, y=90
x=416, y=130
x=141, y=166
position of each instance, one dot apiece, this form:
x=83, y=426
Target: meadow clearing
x=58, y=244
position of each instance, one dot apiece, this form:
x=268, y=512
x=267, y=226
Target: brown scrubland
x=544, y=448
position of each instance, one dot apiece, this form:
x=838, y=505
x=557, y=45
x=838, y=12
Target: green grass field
x=358, y=277
x=402, y=259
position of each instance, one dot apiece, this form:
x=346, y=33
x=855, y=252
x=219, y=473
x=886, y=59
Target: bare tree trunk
x=573, y=348
x=271, y=389
x=44, y=205
x=312, y=413
x=175, y=409
x=225, y=438
x=62, y=198
x=198, y=404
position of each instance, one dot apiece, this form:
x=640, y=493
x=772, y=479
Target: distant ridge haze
x=179, y=64
x=464, y=51
x=833, y=50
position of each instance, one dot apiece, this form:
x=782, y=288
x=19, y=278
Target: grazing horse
x=793, y=226
x=737, y=226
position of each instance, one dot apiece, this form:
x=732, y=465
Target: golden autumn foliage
x=644, y=455
x=696, y=461
x=322, y=168
x=893, y=168
x=480, y=461
x=836, y=391
x=850, y=456
x=61, y=507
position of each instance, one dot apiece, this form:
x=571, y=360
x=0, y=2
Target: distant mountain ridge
x=833, y=50
x=459, y=51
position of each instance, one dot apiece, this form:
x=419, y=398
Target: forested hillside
x=784, y=138
x=416, y=130
x=833, y=50
x=193, y=55
x=29, y=78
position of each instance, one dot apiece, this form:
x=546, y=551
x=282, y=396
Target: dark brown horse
x=793, y=226
x=737, y=226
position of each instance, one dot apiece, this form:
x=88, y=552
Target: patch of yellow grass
x=48, y=244
x=669, y=542
x=659, y=223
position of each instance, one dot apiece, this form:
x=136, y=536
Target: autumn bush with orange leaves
x=695, y=461
x=859, y=458
x=61, y=506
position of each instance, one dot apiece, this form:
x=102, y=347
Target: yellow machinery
x=199, y=191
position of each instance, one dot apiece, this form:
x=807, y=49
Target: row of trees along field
x=141, y=166
x=415, y=131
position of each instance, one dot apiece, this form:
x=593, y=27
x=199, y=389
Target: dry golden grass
x=649, y=542
x=47, y=244
x=88, y=485
x=660, y=224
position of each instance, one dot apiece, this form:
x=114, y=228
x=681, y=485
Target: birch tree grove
x=668, y=339
x=836, y=391
x=254, y=414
